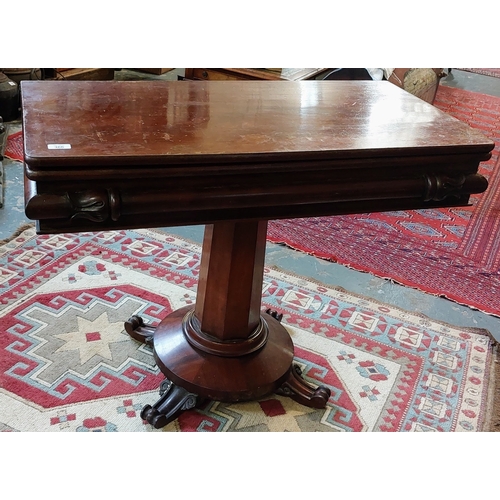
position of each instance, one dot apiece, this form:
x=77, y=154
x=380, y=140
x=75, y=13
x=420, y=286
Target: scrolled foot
x=275, y=314
x=173, y=401
x=136, y=328
x=299, y=390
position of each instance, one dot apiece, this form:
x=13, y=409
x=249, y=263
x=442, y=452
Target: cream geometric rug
x=66, y=364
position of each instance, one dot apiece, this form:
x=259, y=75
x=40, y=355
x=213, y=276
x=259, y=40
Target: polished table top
x=170, y=122
x=194, y=152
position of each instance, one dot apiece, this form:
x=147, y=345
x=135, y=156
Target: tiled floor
x=12, y=216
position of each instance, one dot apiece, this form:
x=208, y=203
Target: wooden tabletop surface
x=96, y=123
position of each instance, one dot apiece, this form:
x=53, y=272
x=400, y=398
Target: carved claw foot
x=173, y=401
x=136, y=328
x=275, y=314
x=299, y=390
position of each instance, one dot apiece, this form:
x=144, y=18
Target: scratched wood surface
x=170, y=122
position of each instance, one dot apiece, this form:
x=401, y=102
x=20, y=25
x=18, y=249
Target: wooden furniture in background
x=113, y=155
x=154, y=71
x=79, y=73
x=284, y=74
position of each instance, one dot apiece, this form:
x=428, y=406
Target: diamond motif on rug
x=67, y=365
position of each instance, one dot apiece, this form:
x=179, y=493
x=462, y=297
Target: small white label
x=11, y=84
x=59, y=146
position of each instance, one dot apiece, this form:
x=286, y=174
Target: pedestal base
x=194, y=374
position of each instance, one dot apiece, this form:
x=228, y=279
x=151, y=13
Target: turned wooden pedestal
x=225, y=348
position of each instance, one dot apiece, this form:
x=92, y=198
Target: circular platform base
x=239, y=378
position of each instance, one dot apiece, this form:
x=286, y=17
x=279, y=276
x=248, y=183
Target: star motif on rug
x=93, y=337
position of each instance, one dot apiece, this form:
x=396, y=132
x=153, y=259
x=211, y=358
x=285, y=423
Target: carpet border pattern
x=389, y=369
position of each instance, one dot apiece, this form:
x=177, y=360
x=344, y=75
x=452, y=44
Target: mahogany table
x=232, y=155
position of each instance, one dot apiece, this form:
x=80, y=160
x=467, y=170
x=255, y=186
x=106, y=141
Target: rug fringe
x=18, y=231
x=496, y=384
x=492, y=423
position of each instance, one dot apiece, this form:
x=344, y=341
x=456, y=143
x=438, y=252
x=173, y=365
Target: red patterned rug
x=452, y=252
x=495, y=72
x=14, y=148
x=66, y=364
